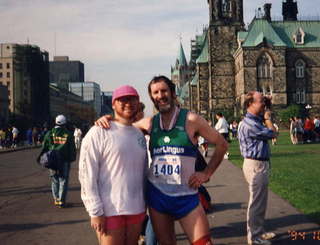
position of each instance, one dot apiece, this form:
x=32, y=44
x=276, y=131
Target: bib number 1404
x=166, y=169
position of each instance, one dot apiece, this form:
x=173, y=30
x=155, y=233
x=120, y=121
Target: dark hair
x=219, y=114
x=141, y=106
x=248, y=99
x=164, y=79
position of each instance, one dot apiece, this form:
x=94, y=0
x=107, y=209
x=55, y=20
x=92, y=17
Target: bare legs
x=127, y=235
x=195, y=225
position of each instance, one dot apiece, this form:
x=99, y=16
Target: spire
x=181, y=56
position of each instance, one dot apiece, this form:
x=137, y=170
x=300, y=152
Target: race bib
x=168, y=169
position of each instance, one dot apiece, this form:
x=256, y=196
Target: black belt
x=258, y=159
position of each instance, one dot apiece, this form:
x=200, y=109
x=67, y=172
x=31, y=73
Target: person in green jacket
x=61, y=139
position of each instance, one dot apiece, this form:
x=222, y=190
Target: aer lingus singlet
x=173, y=157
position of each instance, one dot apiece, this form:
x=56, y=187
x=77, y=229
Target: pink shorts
x=119, y=221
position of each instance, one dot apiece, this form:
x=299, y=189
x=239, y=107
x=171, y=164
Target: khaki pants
x=256, y=174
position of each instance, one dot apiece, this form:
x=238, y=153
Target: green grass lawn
x=295, y=174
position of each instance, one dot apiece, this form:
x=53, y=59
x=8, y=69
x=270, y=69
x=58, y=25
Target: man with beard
x=111, y=172
x=172, y=183
x=254, y=132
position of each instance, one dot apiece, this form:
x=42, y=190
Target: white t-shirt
x=112, y=168
x=222, y=126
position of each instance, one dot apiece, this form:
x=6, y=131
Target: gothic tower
x=226, y=19
x=180, y=71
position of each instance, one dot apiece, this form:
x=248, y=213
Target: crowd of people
x=12, y=137
x=306, y=131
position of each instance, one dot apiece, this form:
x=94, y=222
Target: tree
x=290, y=111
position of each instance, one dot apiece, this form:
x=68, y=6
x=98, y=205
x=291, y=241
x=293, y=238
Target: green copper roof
x=287, y=29
x=181, y=57
x=200, y=38
x=204, y=56
x=195, y=80
x=280, y=33
x=242, y=35
x=185, y=90
x=262, y=29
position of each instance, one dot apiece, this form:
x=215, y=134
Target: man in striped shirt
x=254, y=132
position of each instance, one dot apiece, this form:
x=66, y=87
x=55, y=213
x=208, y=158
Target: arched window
x=264, y=67
x=300, y=69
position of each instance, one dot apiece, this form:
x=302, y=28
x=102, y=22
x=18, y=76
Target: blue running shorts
x=176, y=206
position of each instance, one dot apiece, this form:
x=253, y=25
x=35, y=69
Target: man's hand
x=104, y=121
x=267, y=115
x=268, y=120
x=197, y=179
x=97, y=223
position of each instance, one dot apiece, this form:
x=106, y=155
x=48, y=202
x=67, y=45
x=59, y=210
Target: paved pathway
x=28, y=216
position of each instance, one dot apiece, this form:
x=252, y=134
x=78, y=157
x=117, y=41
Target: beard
x=128, y=115
x=163, y=108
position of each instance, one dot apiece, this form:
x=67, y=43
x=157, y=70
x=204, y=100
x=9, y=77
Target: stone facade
x=279, y=58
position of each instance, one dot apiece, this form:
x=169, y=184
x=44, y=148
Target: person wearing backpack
x=61, y=140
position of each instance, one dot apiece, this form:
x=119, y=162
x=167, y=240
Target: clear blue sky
x=119, y=41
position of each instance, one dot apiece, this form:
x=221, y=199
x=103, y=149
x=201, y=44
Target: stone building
x=24, y=70
x=280, y=58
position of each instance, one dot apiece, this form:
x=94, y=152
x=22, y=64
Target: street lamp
x=308, y=108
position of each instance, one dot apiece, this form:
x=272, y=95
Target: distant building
x=106, y=101
x=72, y=106
x=64, y=71
x=90, y=92
x=180, y=72
x=279, y=58
x=180, y=75
x=4, y=105
x=24, y=69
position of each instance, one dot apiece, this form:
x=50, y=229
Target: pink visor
x=125, y=90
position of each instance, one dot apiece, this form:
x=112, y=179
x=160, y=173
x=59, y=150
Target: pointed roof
x=204, y=56
x=181, y=56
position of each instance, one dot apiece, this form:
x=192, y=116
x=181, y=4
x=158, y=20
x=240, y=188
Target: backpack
x=51, y=159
